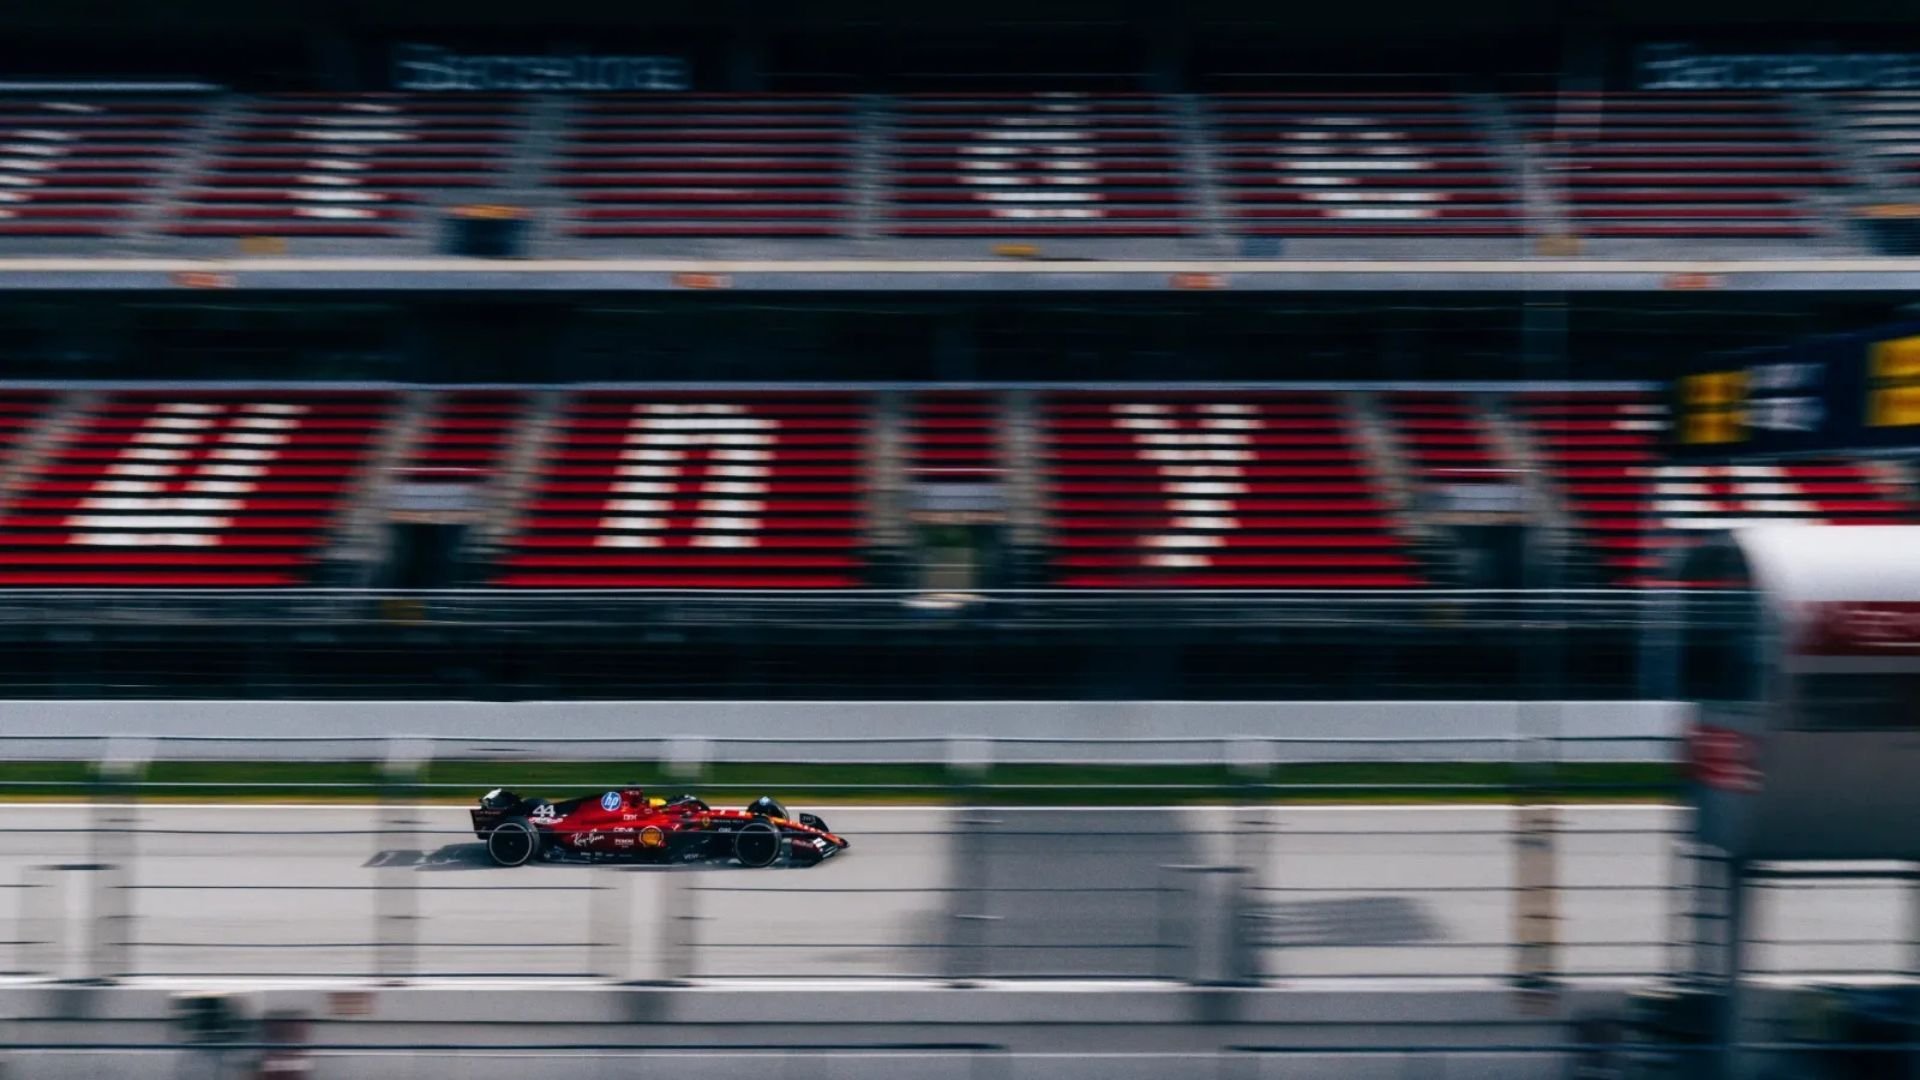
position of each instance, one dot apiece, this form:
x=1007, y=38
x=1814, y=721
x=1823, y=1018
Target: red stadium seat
x=954, y=436
x=1036, y=165
x=703, y=165
x=465, y=436
x=1164, y=490
x=1444, y=437
x=1700, y=166
x=335, y=165
x=1605, y=452
x=1358, y=165
x=190, y=489
x=77, y=165
x=698, y=490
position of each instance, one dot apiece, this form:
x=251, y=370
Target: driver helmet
x=768, y=805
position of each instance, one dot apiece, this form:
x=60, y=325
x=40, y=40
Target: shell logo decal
x=653, y=837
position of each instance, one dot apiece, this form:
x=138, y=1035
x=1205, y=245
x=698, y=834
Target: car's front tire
x=757, y=844
x=513, y=842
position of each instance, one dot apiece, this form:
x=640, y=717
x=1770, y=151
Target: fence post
x=1218, y=943
x=679, y=942
x=1251, y=761
x=65, y=934
x=396, y=904
x=1683, y=885
x=609, y=920
x=677, y=926
x=36, y=923
x=123, y=763
x=1170, y=948
x=1536, y=886
x=687, y=758
x=968, y=763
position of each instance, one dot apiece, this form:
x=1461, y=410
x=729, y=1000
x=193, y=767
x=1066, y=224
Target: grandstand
x=1134, y=489
x=340, y=166
x=85, y=168
x=715, y=490
x=1632, y=509
x=885, y=342
x=1403, y=174
x=187, y=488
x=711, y=166
x=1184, y=490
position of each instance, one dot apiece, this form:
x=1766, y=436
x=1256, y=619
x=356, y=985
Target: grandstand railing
x=1251, y=607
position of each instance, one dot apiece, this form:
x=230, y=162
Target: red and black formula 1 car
x=630, y=824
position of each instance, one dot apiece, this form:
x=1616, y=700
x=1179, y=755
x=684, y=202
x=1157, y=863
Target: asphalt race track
x=1387, y=891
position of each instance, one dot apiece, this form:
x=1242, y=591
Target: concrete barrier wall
x=1165, y=731
x=905, y=1032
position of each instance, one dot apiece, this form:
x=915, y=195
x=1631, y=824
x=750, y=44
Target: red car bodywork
x=630, y=824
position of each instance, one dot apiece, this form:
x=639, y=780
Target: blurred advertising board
x=1856, y=391
x=1675, y=66
x=437, y=69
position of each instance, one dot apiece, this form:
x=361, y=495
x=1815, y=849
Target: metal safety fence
x=972, y=858
x=1235, y=861
x=1184, y=865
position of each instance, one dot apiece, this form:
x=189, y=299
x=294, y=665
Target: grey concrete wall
x=1165, y=731
x=1114, y=1032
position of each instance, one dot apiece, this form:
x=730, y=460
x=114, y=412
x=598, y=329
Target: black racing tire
x=757, y=844
x=513, y=842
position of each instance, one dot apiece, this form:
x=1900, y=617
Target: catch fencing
x=1236, y=862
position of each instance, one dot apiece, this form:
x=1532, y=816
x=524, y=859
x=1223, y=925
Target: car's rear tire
x=513, y=842
x=757, y=844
